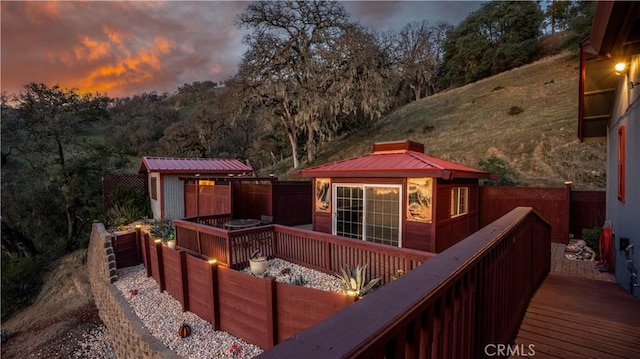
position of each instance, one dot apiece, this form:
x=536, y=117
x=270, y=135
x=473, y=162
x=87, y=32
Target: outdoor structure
x=397, y=196
x=609, y=106
x=282, y=202
x=166, y=180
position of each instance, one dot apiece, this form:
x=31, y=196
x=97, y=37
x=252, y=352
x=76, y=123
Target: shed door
x=368, y=212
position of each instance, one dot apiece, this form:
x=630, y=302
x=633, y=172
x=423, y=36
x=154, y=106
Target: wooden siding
x=417, y=235
x=322, y=222
x=450, y=231
x=212, y=200
x=552, y=204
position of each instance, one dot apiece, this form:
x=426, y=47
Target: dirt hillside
x=54, y=325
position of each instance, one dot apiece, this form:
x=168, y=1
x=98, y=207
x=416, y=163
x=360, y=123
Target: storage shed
x=166, y=177
x=397, y=195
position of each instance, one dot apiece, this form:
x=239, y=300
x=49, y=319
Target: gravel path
x=163, y=315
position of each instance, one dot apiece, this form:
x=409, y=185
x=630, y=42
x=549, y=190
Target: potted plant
x=258, y=262
x=164, y=230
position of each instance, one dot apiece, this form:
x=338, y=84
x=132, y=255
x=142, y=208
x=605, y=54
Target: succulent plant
x=298, y=280
x=353, y=281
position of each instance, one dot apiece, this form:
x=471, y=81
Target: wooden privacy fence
x=261, y=311
x=567, y=211
x=320, y=251
x=473, y=294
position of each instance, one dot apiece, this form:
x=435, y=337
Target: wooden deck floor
x=572, y=317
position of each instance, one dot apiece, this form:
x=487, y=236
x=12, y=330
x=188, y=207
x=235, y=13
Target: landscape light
x=620, y=67
x=212, y=261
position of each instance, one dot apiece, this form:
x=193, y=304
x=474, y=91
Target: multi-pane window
x=621, y=163
x=459, y=201
x=370, y=213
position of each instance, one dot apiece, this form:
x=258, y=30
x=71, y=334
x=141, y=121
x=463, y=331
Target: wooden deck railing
x=323, y=252
x=471, y=295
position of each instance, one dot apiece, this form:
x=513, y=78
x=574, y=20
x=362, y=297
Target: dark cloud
x=393, y=15
x=128, y=47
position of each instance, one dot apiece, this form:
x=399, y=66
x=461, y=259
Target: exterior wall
x=414, y=235
x=172, y=196
x=156, y=204
x=450, y=231
x=129, y=337
x=625, y=216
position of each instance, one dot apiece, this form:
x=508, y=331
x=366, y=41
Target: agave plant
x=353, y=281
x=298, y=280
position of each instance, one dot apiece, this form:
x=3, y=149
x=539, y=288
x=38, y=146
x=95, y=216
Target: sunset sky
x=124, y=48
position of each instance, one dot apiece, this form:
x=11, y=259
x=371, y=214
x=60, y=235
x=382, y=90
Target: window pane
x=349, y=211
x=383, y=215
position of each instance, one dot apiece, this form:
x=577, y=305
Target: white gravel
x=163, y=315
x=95, y=345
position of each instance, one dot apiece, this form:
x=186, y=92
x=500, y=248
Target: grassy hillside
x=471, y=123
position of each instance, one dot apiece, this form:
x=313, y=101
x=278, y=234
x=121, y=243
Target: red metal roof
x=192, y=165
x=392, y=162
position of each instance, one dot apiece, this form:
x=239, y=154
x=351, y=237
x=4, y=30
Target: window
x=368, y=212
x=154, y=188
x=621, y=163
x=459, y=200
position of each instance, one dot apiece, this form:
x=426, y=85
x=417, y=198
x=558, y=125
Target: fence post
x=147, y=253
x=215, y=294
x=185, y=280
x=138, y=249
x=158, y=249
x=567, y=206
x=271, y=334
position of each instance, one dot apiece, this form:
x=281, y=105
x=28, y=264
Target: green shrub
x=162, y=229
x=499, y=167
x=592, y=237
x=20, y=283
x=128, y=204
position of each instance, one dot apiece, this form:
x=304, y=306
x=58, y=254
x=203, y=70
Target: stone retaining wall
x=129, y=337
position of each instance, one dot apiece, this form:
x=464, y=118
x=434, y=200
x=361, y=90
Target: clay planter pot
x=258, y=265
x=171, y=244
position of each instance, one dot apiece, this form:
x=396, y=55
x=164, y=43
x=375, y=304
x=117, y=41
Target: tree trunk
x=311, y=143
x=294, y=149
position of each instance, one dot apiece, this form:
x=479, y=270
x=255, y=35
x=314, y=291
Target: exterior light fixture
x=620, y=68
x=138, y=226
x=351, y=293
x=633, y=84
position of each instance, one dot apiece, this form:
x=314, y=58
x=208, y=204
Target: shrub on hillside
x=20, y=283
x=499, y=167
